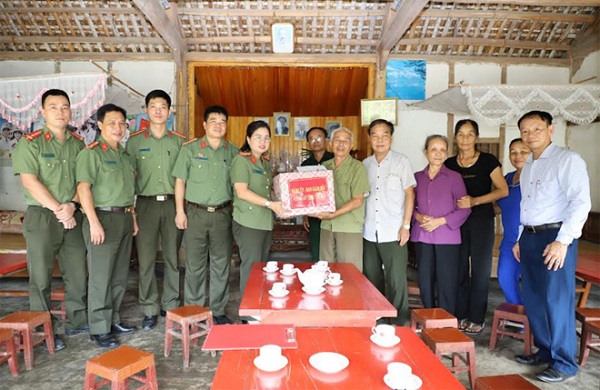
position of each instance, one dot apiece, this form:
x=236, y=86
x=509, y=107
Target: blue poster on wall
x=405, y=79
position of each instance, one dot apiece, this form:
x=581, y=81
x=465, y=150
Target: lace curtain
x=20, y=99
x=499, y=104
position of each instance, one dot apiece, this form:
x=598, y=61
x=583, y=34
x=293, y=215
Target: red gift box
x=303, y=193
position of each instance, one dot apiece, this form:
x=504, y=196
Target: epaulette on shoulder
x=245, y=154
x=267, y=158
x=189, y=142
x=179, y=135
x=93, y=145
x=137, y=133
x=34, y=135
x=77, y=136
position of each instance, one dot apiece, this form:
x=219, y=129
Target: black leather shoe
x=149, y=322
x=58, y=344
x=106, y=340
x=73, y=332
x=552, y=375
x=530, y=360
x=221, y=320
x=163, y=313
x=122, y=329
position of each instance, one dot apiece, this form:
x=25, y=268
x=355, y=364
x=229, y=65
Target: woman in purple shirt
x=436, y=226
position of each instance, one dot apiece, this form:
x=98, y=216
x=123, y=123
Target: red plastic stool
x=184, y=323
x=9, y=353
x=587, y=342
x=509, y=311
x=504, y=382
x=120, y=365
x=432, y=318
x=58, y=294
x=414, y=295
x=451, y=340
x=24, y=323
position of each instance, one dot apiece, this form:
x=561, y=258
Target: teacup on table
x=288, y=268
x=279, y=287
x=321, y=265
x=334, y=277
x=271, y=265
x=384, y=331
x=399, y=374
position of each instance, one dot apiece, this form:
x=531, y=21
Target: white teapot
x=312, y=278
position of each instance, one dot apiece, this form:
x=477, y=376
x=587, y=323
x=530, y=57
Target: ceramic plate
x=334, y=284
x=286, y=273
x=329, y=362
x=414, y=383
x=270, y=365
x=279, y=294
x=385, y=342
x=270, y=270
x=313, y=292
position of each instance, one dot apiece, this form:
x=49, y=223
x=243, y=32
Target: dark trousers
x=438, y=274
x=390, y=279
x=254, y=245
x=475, y=268
x=314, y=236
x=549, y=298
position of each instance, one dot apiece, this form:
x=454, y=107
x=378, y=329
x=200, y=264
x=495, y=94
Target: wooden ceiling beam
x=530, y=45
x=57, y=39
x=267, y=39
x=308, y=60
x=451, y=59
x=283, y=13
x=504, y=15
x=585, y=44
x=84, y=56
x=70, y=10
x=163, y=24
x=531, y=3
x=395, y=27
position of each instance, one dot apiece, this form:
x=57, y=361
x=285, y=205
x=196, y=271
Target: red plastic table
x=354, y=303
x=588, y=269
x=368, y=363
x=9, y=264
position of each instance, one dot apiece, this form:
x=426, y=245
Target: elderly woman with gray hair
x=341, y=230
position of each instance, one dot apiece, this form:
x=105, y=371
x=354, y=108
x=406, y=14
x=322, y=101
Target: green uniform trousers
x=314, y=236
x=337, y=247
x=254, y=245
x=109, y=267
x=208, y=238
x=157, y=219
x=46, y=238
x=391, y=280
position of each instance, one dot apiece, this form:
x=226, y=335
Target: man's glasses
x=315, y=139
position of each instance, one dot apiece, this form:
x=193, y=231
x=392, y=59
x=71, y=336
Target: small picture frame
x=330, y=126
x=371, y=109
x=281, y=123
x=301, y=126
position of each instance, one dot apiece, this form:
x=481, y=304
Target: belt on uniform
x=542, y=228
x=211, y=209
x=158, y=198
x=128, y=209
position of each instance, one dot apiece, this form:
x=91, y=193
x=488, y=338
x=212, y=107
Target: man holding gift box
x=389, y=211
x=341, y=230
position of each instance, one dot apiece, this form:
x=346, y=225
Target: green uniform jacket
x=206, y=171
x=53, y=162
x=154, y=160
x=349, y=180
x=110, y=173
x=259, y=177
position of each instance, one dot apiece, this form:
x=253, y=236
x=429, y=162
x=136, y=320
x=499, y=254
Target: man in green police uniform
x=45, y=160
x=155, y=151
x=202, y=179
x=106, y=188
x=341, y=230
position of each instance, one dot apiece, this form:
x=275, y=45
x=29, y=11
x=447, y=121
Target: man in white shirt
x=554, y=207
x=387, y=222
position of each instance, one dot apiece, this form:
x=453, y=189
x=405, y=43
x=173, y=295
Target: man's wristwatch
x=407, y=226
x=76, y=204
x=267, y=203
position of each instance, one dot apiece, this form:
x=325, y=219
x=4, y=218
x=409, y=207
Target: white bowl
x=329, y=362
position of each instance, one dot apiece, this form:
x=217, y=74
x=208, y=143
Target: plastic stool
x=451, y=340
x=24, y=323
x=587, y=342
x=184, y=323
x=58, y=294
x=118, y=366
x=7, y=342
x=432, y=318
x=414, y=295
x=509, y=311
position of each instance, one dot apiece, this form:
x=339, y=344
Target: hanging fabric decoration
x=20, y=98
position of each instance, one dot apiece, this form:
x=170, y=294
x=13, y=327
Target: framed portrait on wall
x=281, y=122
x=301, y=126
x=330, y=126
x=371, y=109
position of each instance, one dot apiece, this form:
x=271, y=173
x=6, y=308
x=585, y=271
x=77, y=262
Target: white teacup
x=271, y=353
x=384, y=331
x=288, y=268
x=271, y=264
x=322, y=265
x=334, y=277
x=398, y=373
x=279, y=287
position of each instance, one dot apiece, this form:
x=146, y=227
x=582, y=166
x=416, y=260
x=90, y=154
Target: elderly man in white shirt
x=554, y=207
x=388, y=214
